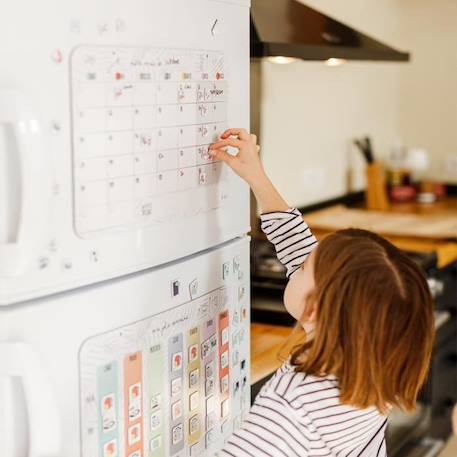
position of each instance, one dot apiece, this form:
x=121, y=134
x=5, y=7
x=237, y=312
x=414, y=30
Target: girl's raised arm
x=246, y=163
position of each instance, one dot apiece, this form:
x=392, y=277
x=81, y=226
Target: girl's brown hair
x=374, y=321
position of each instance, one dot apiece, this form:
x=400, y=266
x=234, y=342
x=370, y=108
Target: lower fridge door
x=151, y=365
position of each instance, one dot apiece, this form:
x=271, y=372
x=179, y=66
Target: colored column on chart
x=224, y=370
x=175, y=368
x=133, y=404
x=193, y=379
x=154, y=380
x=107, y=391
x=209, y=367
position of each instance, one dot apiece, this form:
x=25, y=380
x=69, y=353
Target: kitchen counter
x=271, y=344
x=444, y=247
x=266, y=344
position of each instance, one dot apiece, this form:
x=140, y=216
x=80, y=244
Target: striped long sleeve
x=300, y=415
x=292, y=238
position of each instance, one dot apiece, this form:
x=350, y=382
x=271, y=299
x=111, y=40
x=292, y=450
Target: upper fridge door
x=106, y=114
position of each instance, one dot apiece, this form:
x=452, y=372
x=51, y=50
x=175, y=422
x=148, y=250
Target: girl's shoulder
x=292, y=385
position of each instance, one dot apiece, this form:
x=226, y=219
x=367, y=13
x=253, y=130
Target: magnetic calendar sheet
x=143, y=119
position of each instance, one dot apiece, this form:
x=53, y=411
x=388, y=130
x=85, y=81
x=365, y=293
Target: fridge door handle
x=34, y=174
x=19, y=360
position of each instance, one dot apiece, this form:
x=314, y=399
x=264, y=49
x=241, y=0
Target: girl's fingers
x=227, y=142
x=242, y=134
x=220, y=154
x=253, y=138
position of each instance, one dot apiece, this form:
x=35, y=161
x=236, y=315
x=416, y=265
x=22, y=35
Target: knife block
x=376, y=195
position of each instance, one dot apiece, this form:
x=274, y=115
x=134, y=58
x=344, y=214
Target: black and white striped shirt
x=300, y=415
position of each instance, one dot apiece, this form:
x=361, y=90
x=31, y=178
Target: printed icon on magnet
x=135, y=399
x=156, y=420
x=225, y=408
x=224, y=336
x=194, y=425
x=235, y=357
x=236, y=264
x=136, y=453
x=210, y=404
x=194, y=400
x=225, y=384
x=213, y=342
x=177, y=434
x=155, y=443
x=110, y=449
x=175, y=288
x=209, y=386
x=241, y=292
x=206, y=347
x=194, y=378
x=176, y=361
x=176, y=410
x=176, y=387
x=195, y=450
x=209, y=370
x=224, y=360
x=202, y=179
x=156, y=400
x=244, y=313
x=193, y=353
x=225, y=270
x=193, y=288
x=108, y=413
x=134, y=434
x=210, y=420
x=209, y=438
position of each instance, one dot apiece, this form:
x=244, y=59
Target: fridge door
x=106, y=114
x=155, y=364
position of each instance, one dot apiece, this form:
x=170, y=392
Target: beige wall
x=310, y=112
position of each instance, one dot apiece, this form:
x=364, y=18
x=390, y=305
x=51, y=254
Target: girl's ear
x=312, y=316
x=310, y=312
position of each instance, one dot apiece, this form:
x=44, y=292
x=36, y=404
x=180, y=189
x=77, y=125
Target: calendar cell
x=144, y=163
x=144, y=117
x=187, y=157
x=119, y=118
x=167, y=93
x=144, y=94
x=91, y=120
x=145, y=141
x=91, y=169
x=167, y=160
x=188, y=136
x=120, y=189
x=167, y=181
x=167, y=138
x=119, y=166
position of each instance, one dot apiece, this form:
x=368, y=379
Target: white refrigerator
x=124, y=259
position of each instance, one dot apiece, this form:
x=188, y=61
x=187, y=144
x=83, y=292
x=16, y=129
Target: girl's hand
x=246, y=163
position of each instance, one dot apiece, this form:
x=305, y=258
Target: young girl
x=370, y=314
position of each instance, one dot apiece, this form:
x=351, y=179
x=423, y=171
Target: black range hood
x=289, y=28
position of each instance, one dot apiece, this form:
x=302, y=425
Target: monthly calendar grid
x=136, y=141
